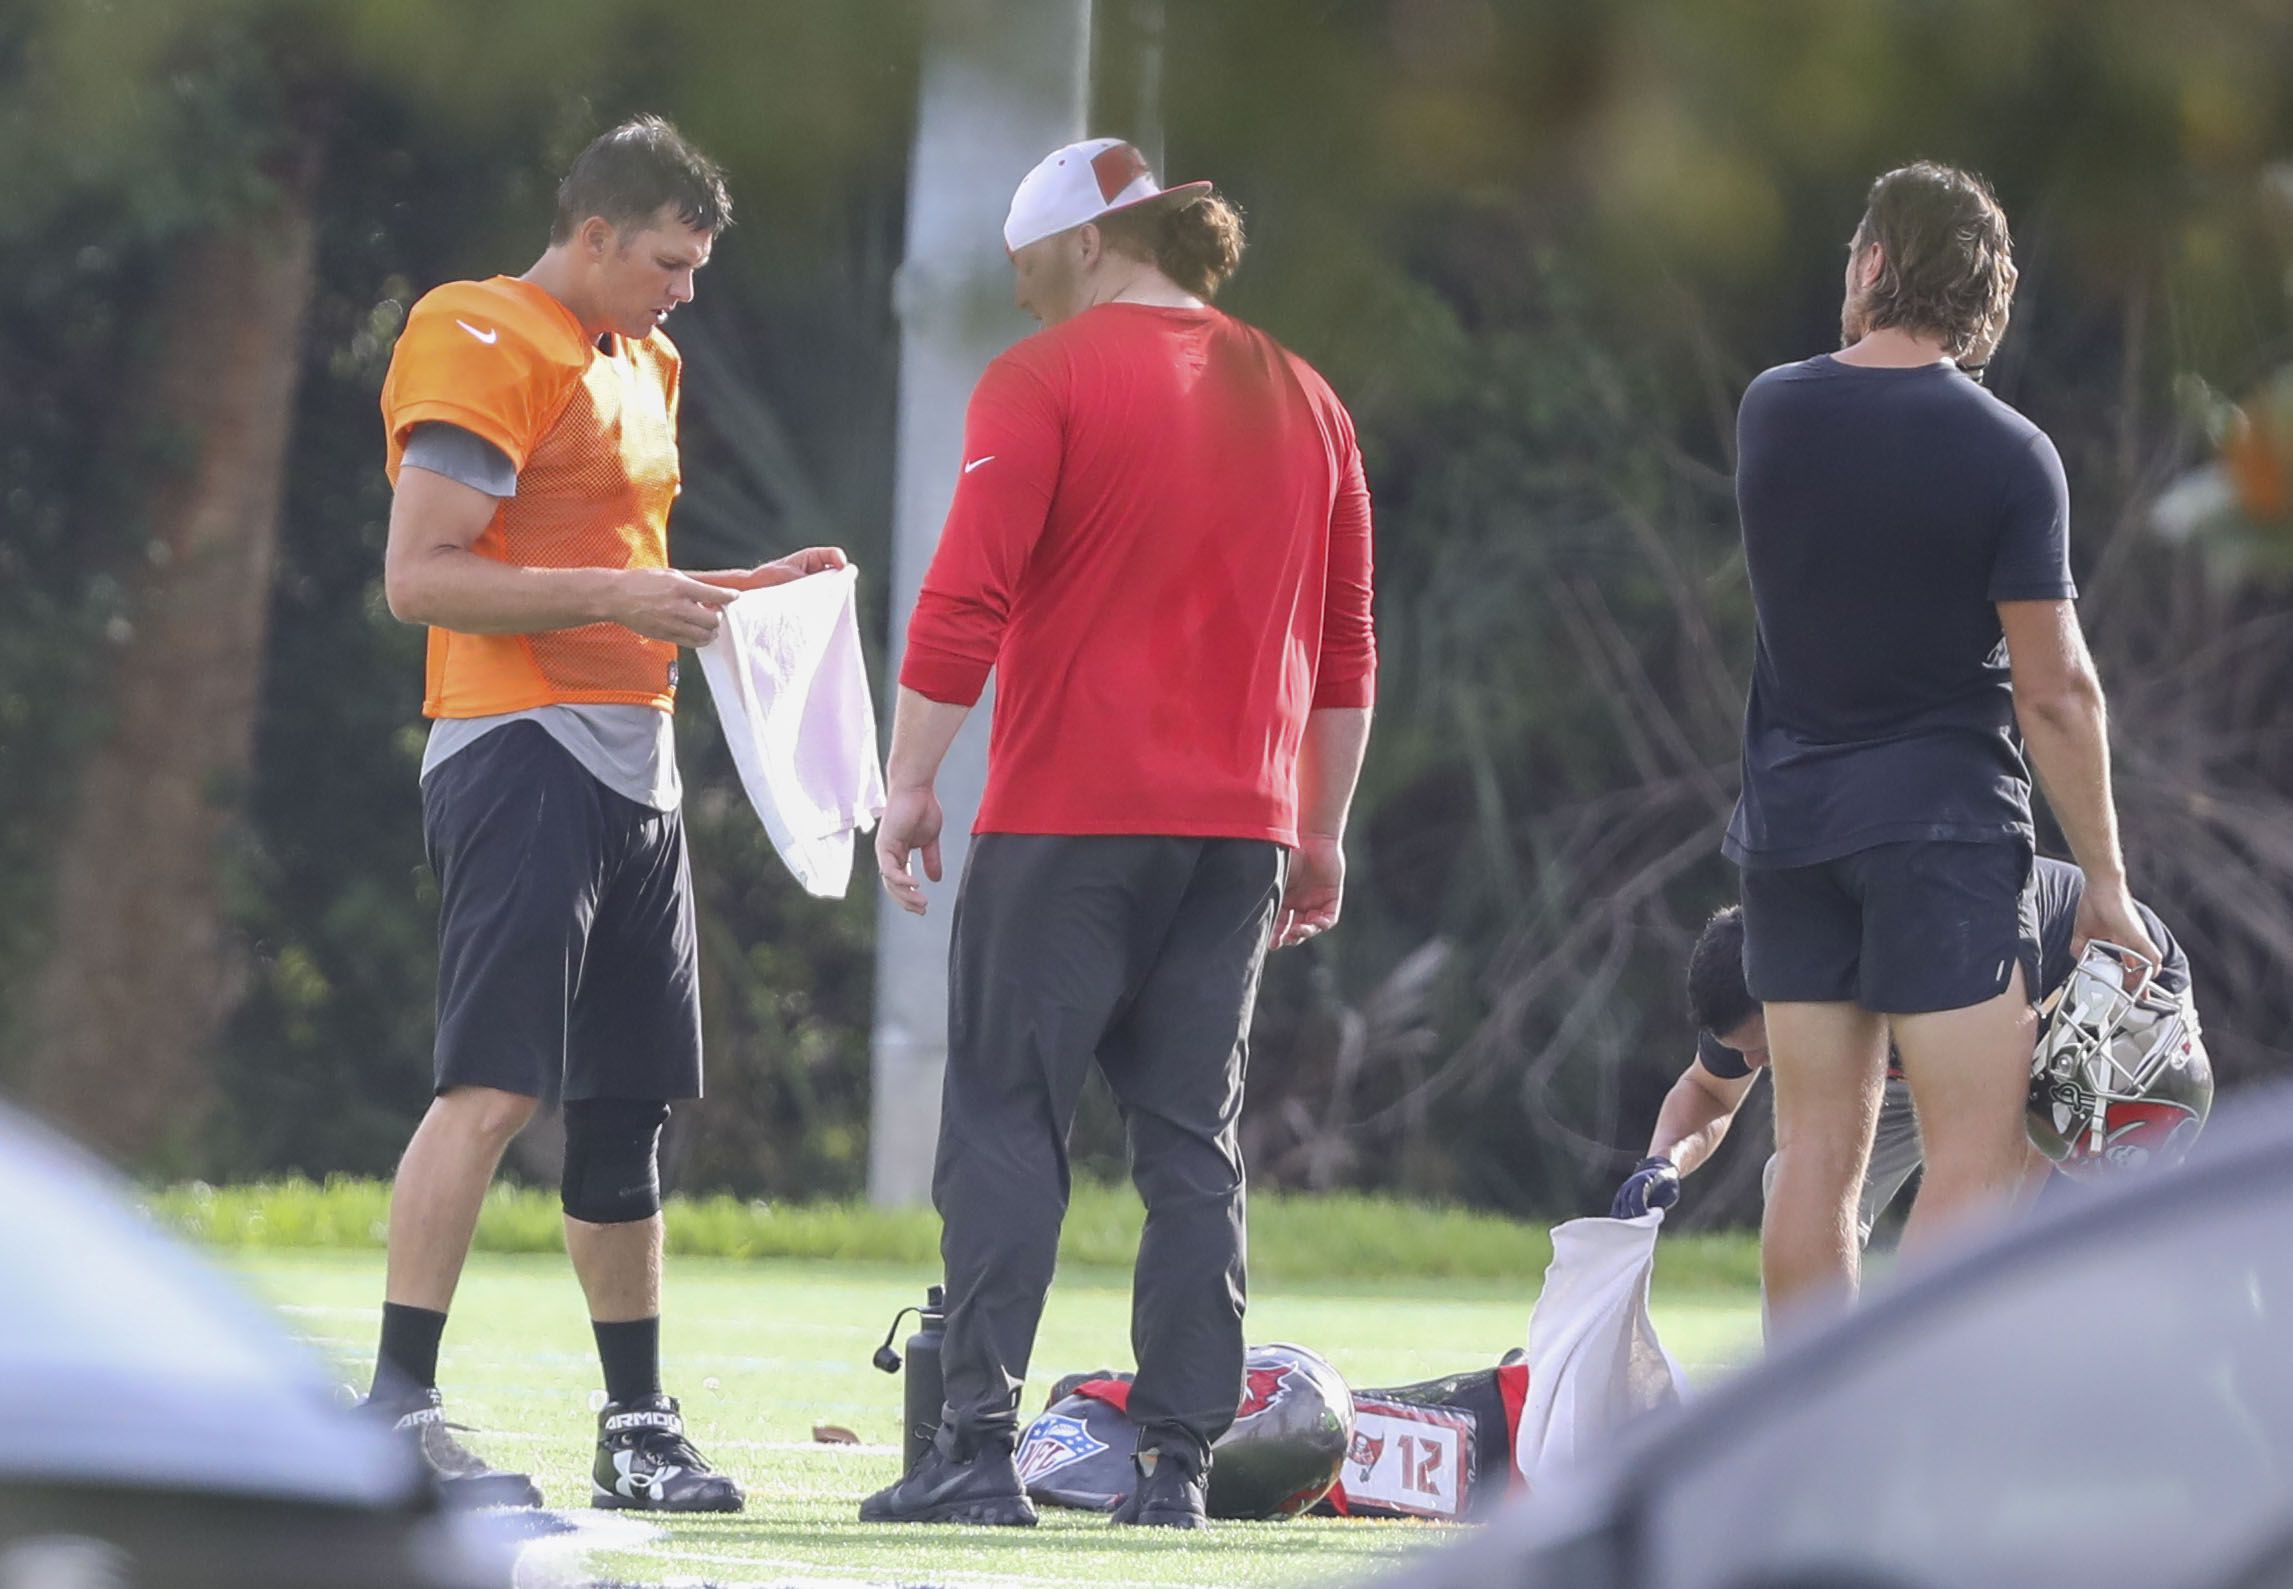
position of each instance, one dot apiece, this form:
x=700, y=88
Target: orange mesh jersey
x=592, y=428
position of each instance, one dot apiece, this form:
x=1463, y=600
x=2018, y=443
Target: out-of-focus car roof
x=2100, y=1395
x=138, y=1364
x=167, y=1430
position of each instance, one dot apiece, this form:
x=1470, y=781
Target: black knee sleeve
x=613, y=1159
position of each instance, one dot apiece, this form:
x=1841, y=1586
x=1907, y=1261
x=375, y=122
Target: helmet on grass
x=1283, y=1453
x=1289, y=1438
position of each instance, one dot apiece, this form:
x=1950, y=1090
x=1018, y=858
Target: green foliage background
x=1539, y=247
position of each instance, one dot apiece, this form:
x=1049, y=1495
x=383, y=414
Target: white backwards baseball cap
x=1080, y=183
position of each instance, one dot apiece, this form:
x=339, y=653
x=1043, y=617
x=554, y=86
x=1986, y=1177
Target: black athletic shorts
x=1902, y=929
x=567, y=960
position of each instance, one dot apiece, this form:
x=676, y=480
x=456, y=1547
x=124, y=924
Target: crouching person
x=1732, y=1052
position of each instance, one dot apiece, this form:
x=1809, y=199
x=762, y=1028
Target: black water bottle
x=924, y=1392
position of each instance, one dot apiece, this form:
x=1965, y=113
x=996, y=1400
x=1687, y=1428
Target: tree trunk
x=142, y=972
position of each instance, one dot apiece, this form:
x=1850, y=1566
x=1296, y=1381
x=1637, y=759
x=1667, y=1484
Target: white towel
x=791, y=689
x=1594, y=1360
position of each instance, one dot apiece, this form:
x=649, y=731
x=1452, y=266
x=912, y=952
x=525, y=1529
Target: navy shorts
x=567, y=959
x=1902, y=929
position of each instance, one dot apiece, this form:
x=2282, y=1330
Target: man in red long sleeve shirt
x=1160, y=545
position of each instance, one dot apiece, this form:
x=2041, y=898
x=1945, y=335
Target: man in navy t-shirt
x=1907, y=537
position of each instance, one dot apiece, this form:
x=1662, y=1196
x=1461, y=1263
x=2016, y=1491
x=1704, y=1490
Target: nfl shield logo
x=1055, y=1441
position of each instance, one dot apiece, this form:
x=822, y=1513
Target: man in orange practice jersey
x=532, y=446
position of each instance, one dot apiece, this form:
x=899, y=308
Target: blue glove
x=1653, y=1183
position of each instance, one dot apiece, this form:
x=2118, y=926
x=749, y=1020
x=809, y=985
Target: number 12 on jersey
x=1409, y=1459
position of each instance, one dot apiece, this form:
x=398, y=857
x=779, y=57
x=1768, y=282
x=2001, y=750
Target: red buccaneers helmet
x=2121, y=1075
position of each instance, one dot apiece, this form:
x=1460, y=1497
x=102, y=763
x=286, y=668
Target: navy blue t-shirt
x=1885, y=512
x=2060, y=887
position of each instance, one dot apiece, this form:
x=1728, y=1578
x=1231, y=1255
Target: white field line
x=563, y=1558
x=808, y=1582
x=817, y=1447
x=812, y=1573
x=477, y=1352
x=828, y=1446
x=813, y=1581
x=369, y=1313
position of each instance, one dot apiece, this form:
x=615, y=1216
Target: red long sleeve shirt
x=1160, y=543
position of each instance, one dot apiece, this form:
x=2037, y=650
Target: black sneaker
x=465, y=1479
x=982, y=1488
x=1168, y=1494
x=645, y=1463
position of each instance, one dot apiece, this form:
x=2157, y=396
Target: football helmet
x=1289, y=1439
x=2121, y=1075
x=1290, y=1435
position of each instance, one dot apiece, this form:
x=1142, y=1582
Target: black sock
x=631, y=1354
x=407, y=1360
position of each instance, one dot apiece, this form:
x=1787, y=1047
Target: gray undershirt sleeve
x=461, y=455
x=629, y=749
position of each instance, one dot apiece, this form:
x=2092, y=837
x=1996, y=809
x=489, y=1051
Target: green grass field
x=762, y=1349
x=1292, y=1235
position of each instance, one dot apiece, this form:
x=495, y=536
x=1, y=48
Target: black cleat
x=645, y=1463
x=1169, y=1494
x=465, y=1479
x=982, y=1488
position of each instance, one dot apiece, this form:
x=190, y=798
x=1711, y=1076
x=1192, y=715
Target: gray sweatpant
x=1145, y=954
x=1895, y=1154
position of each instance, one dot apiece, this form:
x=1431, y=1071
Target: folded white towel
x=791, y=688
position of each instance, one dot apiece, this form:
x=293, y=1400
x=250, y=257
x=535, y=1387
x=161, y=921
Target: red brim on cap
x=1185, y=190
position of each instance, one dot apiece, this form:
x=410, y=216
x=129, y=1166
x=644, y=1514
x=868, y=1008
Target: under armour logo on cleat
x=634, y=1484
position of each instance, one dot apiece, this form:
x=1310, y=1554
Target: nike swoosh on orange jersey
x=487, y=337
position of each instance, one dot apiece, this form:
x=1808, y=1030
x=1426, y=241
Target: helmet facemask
x=2119, y=1074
